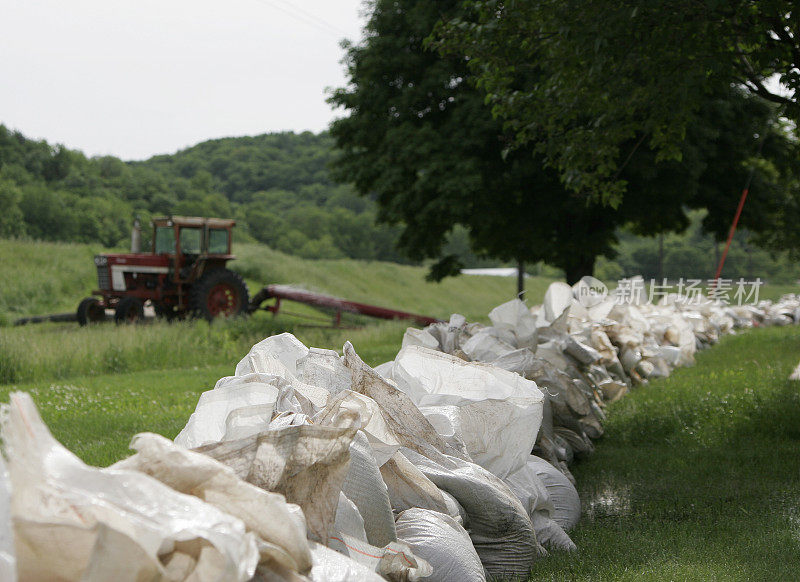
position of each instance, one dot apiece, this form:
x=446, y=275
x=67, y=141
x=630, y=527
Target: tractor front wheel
x=129, y=310
x=90, y=310
x=219, y=293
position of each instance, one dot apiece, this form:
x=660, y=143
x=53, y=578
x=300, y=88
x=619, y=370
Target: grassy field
x=698, y=476
x=99, y=385
x=39, y=277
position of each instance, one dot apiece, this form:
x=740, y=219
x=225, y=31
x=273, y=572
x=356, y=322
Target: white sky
x=134, y=78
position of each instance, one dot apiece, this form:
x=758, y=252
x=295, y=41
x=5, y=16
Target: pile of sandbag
x=303, y=465
x=449, y=463
x=583, y=349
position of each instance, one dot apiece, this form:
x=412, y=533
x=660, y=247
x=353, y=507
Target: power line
x=313, y=16
x=305, y=17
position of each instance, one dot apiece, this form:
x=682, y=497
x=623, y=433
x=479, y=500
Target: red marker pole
x=738, y=213
x=731, y=233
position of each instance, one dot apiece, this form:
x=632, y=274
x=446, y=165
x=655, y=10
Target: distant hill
x=276, y=185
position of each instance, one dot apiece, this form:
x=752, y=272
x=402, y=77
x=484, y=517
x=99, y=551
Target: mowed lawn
x=698, y=475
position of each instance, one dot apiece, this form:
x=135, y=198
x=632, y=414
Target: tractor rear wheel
x=219, y=293
x=129, y=310
x=90, y=310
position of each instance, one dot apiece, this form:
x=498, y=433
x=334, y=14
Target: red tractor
x=184, y=274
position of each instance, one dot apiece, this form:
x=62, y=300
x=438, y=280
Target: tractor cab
x=192, y=244
x=192, y=236
x=185, y=273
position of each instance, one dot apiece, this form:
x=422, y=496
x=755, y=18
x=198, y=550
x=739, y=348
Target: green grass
x=698, y=476
x=58, y=352
x=95, y=415
x=39, y=277
x=43, y=277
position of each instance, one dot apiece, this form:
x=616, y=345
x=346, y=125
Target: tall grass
x=44, y=277
x=59, y=352
x=386, y=284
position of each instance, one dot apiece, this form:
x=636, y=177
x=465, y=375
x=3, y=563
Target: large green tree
x=420, y=138
x=609, y=77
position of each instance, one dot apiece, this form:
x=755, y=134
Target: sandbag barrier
x=310, y=465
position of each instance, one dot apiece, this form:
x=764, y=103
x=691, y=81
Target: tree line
x=275, y=185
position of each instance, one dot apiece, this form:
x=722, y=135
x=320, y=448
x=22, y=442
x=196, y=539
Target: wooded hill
x=276, y=185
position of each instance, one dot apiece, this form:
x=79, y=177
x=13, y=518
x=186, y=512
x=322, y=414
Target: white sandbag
x=531, y=491
x=516, y=317
x=8, y=557
x=645, y=368
x=207, y=423
x=409, y=487
x=348, y=520
x=484, y=346
x=402, y=417
x=264, y=513
x=364, y=486
x=331, y=566
x=306, y=463
x=419, y=337
x=517, y=361
x=500, y=412
x=443, y=543
x=381, y=437
x=395, y=562
x=795, y=375
x=553, y=353
x=285, y=347
x=450, y=335
x=556, y=299
x=447, y=422
x=454, y=509
x=602, y=343
x=499, y=526
x=294, y=395
x=324, y=368
x=562, y=493
x=76, y=522
x=599, y=311
x=630, y=358
x=551, y=535
x=385, y=369
x=582, y=352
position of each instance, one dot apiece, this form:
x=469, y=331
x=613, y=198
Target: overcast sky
x=134, y=78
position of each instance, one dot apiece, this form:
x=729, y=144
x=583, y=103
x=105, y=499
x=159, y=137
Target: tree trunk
x=578, y=267
x=520, y=279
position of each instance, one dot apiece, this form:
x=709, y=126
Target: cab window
x=218, y=241
x=190, y=241
x=165, y=240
